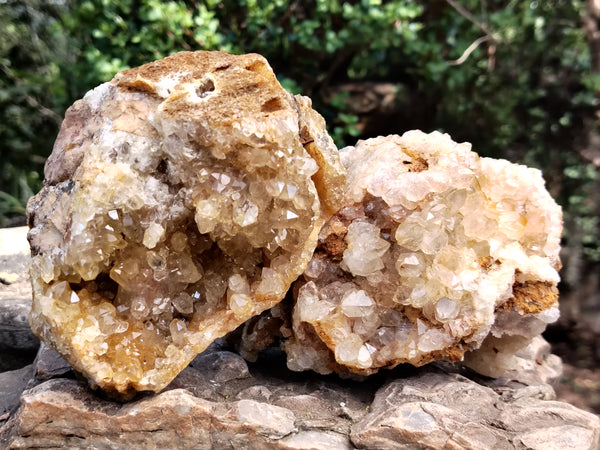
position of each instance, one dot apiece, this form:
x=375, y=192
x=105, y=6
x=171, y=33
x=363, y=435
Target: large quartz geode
x=436, y=252
x=181, y=198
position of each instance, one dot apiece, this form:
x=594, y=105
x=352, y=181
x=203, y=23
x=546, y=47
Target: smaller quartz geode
x=437, y=254
x=181, y=198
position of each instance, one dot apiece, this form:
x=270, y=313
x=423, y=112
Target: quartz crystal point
x=435, y=250
x=181, y=199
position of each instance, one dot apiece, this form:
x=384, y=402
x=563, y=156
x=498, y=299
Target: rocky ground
x=221, y=401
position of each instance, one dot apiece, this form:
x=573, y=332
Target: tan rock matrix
x=181, y=199
x=184, y=198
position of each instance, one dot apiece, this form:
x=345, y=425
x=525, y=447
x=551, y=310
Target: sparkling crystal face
x=181, y=199
x=434, y=250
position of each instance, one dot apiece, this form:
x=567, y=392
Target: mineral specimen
x=435, y=250
x=181, y=198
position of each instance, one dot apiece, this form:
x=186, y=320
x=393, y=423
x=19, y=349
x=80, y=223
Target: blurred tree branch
x=470, y=17
x=488, y=37
x=470, y=49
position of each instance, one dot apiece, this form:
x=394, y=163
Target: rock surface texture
x=437, y=252
x=221, y=402
x=181, y=199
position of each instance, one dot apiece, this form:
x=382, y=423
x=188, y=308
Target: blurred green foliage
x=512, y=77
x=29, y=112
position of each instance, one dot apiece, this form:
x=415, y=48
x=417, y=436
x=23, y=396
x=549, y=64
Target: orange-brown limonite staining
x=181, y=198
x=531, y=297
x=435, y=250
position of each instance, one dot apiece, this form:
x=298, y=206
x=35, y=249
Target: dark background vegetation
x=518, y=79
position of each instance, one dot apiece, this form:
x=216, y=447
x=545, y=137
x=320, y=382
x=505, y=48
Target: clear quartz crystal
x=365, y=249
x=446, y=309
x=357, y=304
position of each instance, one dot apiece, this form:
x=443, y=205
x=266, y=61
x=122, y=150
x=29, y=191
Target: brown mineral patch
x=323, y=335
x=145, y=77
x=273, y=105
x=139, y=85
x=334, y=246
x=452, y=354
x=260, y=66
x=413, y=313
x=531, y=297
x=305, y=137
x=417, y=163
x=487, y=262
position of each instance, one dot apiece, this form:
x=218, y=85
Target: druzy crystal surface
x=181, y=199
x=436, y=252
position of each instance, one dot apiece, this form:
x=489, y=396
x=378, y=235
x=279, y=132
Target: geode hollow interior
x=436, y=252
x=181, y=198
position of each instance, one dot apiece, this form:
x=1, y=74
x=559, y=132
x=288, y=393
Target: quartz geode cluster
x=181, y=199
x=187, y=196
x=435, y=250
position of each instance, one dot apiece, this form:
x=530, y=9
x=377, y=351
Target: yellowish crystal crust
x=436, y=250
x=181, y=198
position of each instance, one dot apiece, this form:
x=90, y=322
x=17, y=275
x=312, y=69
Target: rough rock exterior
x=181, y=198
x=221, y=402
x=436, y=252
